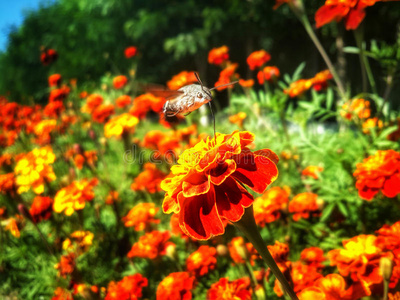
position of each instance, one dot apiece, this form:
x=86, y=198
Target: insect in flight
x=187, y=99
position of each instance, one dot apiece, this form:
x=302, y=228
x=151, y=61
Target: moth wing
x=159, y=90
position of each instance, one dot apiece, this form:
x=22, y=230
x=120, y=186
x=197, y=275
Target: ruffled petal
x=196, y=184
x=391, y=188
x=354, y=18
x=329, y=13
x=222, y=171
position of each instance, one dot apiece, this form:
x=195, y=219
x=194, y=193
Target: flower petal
x=328, y=13
x=196, y=184
x=222, y=171
x=392, y=186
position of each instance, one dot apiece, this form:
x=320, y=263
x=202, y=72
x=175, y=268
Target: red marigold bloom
x=141, y=216
x=166, y=143
x=59, y=94
x=181, y=79
x=120, y=81
x=225, y=290
x=268, y=207
x=176, y=286
x=130, y=51
x=320, y=81
x=144, y=103
x=246, y=83
x=102, y=112
x=298, y=87
x=302, y=205
x=226, y=76
x=7, y=183
x=92, y=102
x=129, y=288
x=202, y=260
x=353, y=11
x=149, y=180
x=151, y=245
x=206, y=185
x=257, y=59
x=123, y=101
x=41, y=208
x=48, y=56
x=54, y=80
x=241, y=252
x=379, y=172
x=268, y=74
x=62, y=294
x=313, y=256
x=218, y=55
x=66, y=265
x=389, y=237
x=312, y=171
x=54, y=109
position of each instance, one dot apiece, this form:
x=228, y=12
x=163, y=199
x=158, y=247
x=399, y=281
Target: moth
x=187, y=99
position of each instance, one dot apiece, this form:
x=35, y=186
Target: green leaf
x=327, y=211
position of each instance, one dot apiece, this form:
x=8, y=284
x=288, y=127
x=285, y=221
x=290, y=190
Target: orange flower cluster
x=238, y=119
x=203, y=260
x=62, y=294
x=12, y=225
x=130, y=51
x=217, y=56
x=7, y=183
x=268, y=207
x=151, y=245
x=48, y=56
x=246, y=83
x=227, y=75
x=54, y=80
x=54, y=109
x=59, y=94
x=268, y=74
x=312, y=171
x=87, y=157
x=119, y=125
x=34, y=170
x=206, y=185
x=353, y=11
x=141, y=216
x=129, y=288
x=379, y=172
x=43, y=129
x=225, y=289
x=144, y=103
x=82, y=239
x=176, y=285
x=92, y=102
x=149, y=180
x=41, y=209
x=371, y=123
x=181, y=79
x=166, y=143
x=74, y=196
x=318, y=82
x=257, y=59
x=241, y=252
x=120, y=81
x=356, y=108
x=66, y=265
x=102, y=112
x=304, y=204
x=123, y=101
x=313, y=256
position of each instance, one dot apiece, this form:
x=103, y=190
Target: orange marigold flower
x=5, y=160
x=130, y=51
x=394, y=296
x=74, y=196
x=123, y=101
x=149, y=180
x=151, y=245
x=92, y=101
x=166, y=143
x=217, y=56
x=313, y=256
x=54, y=109
x=312, y=293
x=120, y=81
x=312, y=171
x=66, y=265
x=43, y=130
x=175, y=228
x=181, y=79
x=48, y=56
x=226, y=76
x=146, y=102
x=102, y=112
x=83, y=240
x=59, y=94
x=121, y=124
x=34, y=169
x=177, y=286
x=7, y=183
x=268, y=74
x=141, y=216
x=88, y=157
x=246, y=83
x=206, y=185
x=389, y=237
x=320, y=81
x=379, y=172
x=298, y=87
x=41, y=208
x=241, y=252
x=280, y=253
x=238, y=119
x=225, y=290
x=129, y=288
x=83, y=94
x=302, y=205
x=371, y=123
x=12, y=226
x=353, y=11
x=62, y=294
x=112, y=197
x=202, y=260
x=257, y=59
x=268, y=207
x=356, y=108
x=54, y=80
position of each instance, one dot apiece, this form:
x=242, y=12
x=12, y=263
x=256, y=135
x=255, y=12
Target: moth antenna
x=212, y=114
x=198, y=79
x=226, y=84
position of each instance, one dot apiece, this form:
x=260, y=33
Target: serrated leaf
x=327, y=211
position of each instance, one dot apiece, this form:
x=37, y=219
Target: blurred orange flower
x=241, y=252
x=92, y=101
x=54, y=109
x=238, y=119
x=66, y=265
x=119, y=125
x=176, y=286
x=41, y=208
x=12, y=225
x=166, y=143
x=102, y=112
x=59, y=94
x=312, y=171
x=203, y=260
x=43, y=130
x=74, y=196
x=123, y=101
x=54, y=80
x=130, y=51
x=129, y=288
x=370, y=123
x=206, y=185
x=7, y=183
x=181, y=79
x=48, y=56
x=151, y=245
x=298, y=87
x=268, y=74
x=120, y=81
x=257, y=59
x=149, y=180
x=379, y=172
x=246, y=83
x=226, y=76
x=268, y=207
x=141, y=216
x=356, y=108
x=313, y=256
x=217, y=56
x=88, y=157
x=144, y=103
x=302, y=205
x=62, y=294
x=226, y=290
x=82, y=239
x=320, y=80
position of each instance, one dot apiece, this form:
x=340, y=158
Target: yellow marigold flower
x=33, y=170
x=74, y=196
x=120, y=124
x=45, y=127
x=371, y=123
x=83, y=239
x=298, y=87
x=356, y=108
x=12, y=226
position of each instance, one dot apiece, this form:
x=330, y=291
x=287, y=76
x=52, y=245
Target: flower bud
x=386, y=268
x=222, y=250
x=24, y=211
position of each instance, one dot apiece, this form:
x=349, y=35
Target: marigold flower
x=33, y=170
x=66, y=265
x=177, y=286
x=320, y=80
x=313, y=256
x=112, y=197
x=129, y=288
x=353, y=11
x=379, y=172
x=41, y=209
x=238, y=119
x=123, y=101
x=83, y=240
x=149, y=180
x=394, y=296
x=120, y=81
x=268, y=207
x=54, y=80
x=166, y=143
x=241, y=252
x=74, y=196
x=312, y=293
x=54, y=109
x=12, y=226
x=62, y=294
x=206, y=185
x=226, y=76
x=43, y=130
x=151, y=245
x=246, y=83
x=181, y=79
x=130, y=51
x=141, y=216
x=102, y=112
x=92, y=101
x=225, y=290
x=59, y=94
x=88, y=157
x=371, y=123
x=144, y=103
x=48, y=56
x=121, y=124
x=302, y=205
x=312, y=171
x=356, y=108
x=257, y=59
x=298, y=87
x=202, y=261
x=268, y=73
x=7, y=183
x=389, y=237
x=217, y=56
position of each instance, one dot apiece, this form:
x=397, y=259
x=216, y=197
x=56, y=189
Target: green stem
x=385, y=289
x=248, y=226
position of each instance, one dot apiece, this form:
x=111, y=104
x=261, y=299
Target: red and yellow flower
x=202, y=261
x=313, y=256
x=257, y=59
x=41, y=209
x=177, y=286
x=241, y=252
x=217, y=56
x=121, y=124
x=82, y=239
x=181, y=79
x=151, y=245
x=298, y=87
x=268, y=73
x=123, y=101
x=356, y=108
x=236, y=289
x=66, y=265
x=120, y=81
x=54, y=80
x=268, y=207
x=312, y=171
x=129, y=288
x=238, y=119
x=302, y=205
x=141, y=216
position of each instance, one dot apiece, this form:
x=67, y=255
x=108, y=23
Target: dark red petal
x=367, y=193
x=222, y=171
x=392, y=186
x=354, y=18
x=255, y=171
x=328, y=13
x=231, y=200
x=195, y=185
x=268, y=153
x=199, y=216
